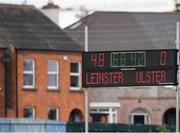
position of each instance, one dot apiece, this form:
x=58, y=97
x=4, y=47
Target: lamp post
x=86, y=89
x=178, y=77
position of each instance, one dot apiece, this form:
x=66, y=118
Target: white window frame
x=140, y=114
x=33, y=110
x=54, y=73
x=110, y=112
x=29, y=72
x=76, y=74
x=57, y=112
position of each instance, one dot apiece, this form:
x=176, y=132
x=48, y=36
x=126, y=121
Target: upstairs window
x=28, y=73
x=75, y=75
x=52, y=74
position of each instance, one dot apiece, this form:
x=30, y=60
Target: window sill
x=75, y=90
x=53, y=90
x=30, y=89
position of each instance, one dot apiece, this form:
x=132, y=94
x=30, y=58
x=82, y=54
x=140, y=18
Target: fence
x=97, y=127
x=31, y=125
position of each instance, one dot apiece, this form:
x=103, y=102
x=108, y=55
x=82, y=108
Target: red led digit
x=163, y=58
x=101, y=60
x=94, y=60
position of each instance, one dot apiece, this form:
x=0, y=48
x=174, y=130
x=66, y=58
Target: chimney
x=51, y=11
x=24, y=2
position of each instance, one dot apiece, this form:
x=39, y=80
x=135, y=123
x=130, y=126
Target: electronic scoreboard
x=129, y=68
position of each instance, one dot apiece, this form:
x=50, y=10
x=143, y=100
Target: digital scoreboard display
x=128, y=59
x=129, y=68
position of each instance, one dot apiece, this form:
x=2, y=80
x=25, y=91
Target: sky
x=97, y=3
x=69, y=17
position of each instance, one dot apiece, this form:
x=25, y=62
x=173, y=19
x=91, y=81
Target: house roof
x=109, y=31
x=113, y=31
x=25, y=27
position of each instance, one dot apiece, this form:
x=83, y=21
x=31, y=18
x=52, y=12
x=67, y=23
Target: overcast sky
x=37, y=3
x=65, y=3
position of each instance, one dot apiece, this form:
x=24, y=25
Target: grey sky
x=37, y=3
x=98, y=3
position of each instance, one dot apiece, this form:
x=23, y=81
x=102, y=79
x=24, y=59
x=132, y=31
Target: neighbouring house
x=118, y=31
x=70, y=13
x=40, y=67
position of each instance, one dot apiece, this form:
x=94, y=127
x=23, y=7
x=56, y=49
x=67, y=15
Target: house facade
x=40, y=67
x=54, y=86
x=122, y=31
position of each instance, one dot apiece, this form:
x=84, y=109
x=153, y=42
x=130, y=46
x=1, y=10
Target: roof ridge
x=118, y=12
x=81, y=20
x=3, y=5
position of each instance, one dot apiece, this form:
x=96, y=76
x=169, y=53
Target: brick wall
x=42, y=98
x=155, y=107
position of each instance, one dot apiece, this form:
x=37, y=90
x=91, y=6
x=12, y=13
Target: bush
x=163, y=129
x=178, y=7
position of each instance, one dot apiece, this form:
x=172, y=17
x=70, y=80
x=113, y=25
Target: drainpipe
x=17, y=103
x=7, y=80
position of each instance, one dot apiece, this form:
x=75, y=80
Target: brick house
x=40, y=67
x=118, y=31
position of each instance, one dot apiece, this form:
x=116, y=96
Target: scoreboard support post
x=178, y=77
x=86, y=88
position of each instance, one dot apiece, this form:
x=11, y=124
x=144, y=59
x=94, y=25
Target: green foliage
x=178, y=7
x=163, y=129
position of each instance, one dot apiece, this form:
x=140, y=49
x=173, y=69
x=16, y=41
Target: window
x=28, y=73
x=75, y=116
x=52, y=74
x=104, y=114
x=53, y=113
x=75, y=75
x=29, y=112
x=169, y=117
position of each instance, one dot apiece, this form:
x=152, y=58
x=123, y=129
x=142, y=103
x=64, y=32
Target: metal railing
x=98, y=127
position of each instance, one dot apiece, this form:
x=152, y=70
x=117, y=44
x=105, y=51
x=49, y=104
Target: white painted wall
x=53, y=14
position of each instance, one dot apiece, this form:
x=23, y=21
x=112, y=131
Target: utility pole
x=178, y=78
x=86, y=89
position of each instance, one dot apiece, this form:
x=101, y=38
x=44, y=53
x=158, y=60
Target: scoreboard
x=129, y=68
